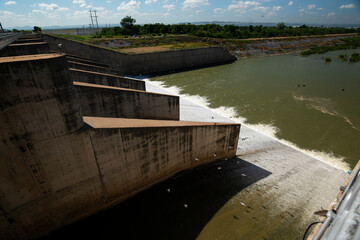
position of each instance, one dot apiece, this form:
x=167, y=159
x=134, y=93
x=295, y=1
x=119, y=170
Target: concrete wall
x=144, y=63
x=103, y=101
x=28, y=40
x=25, y=49
x=93, y=68
x=106, y=79
x=86, y=61
x=56, y=168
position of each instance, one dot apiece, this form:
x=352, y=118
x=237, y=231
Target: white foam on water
x=265, y=129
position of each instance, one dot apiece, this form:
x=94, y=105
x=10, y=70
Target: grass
x=327, y=60
x=343, y=57
x=355, y=57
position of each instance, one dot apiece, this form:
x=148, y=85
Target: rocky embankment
x=277, y=46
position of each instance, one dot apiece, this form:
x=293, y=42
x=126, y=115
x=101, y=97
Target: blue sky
x=76, y=12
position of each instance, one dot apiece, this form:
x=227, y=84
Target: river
x=302, y=101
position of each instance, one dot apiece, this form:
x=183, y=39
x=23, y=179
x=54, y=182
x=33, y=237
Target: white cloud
x=198, y=11
x=79, y=2
x=99, y=8
x=129, y=6
x=52, y=7
x=290, y=3
x=243, y=5
x=320, y=9
x=350, y=5
x=277, y=8
x=261, y=8
x=7, y=13
x=147, y=2
x=219, y=11
x=108, y=1
x=166, y=14
x=169, y=7
x=331, y=14
x=311, y=6
x=194, y=3
x=10, y=3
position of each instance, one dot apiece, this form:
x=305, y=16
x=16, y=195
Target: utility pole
x=2, y=30
x=97, y=25
x=92, y=22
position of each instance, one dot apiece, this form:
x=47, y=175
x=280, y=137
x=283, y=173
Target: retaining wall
x=104, y=101
x=25, y=49
x=106, y=79
x=144, y=63
x=93, y=68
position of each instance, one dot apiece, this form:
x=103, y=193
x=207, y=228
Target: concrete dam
x=78, y=137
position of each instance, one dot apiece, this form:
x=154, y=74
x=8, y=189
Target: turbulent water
x=303, y=101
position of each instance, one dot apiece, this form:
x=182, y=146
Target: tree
x=127, y=22
x=281, y=25
x=37, y=29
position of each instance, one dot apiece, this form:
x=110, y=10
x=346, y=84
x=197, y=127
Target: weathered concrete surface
x=57, y=168
x=144, y=63
x=106, y=79
x=86, y=61
x=279, y=206
x=28, y=40
x=25, y=49
x=159, y=151
x=93, y=68
x=104, y=101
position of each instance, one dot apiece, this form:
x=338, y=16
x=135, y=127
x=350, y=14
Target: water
x=301, y=100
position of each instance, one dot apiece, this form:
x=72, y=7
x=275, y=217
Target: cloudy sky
x=76, y=12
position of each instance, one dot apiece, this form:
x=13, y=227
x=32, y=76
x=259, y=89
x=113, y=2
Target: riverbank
x=281, y=46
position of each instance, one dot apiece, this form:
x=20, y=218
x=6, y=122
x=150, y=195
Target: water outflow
x=301, y=101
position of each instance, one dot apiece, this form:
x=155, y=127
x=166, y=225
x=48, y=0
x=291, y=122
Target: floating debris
x=185, y=205
x=244, y=175
x=196, y=159
x=168, y=190
x=219, y=168
x=214, y=154
x=243, y=204
x=230, y=147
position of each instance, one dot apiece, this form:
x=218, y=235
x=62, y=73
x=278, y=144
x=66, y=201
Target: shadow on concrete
x=157, y=213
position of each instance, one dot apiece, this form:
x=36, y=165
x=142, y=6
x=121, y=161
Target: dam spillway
x=59, y=165
x=62, y=166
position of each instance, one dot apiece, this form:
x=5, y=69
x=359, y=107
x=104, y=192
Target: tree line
x=128, y=27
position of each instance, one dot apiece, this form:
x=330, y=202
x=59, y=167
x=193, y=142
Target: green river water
x=301, y=100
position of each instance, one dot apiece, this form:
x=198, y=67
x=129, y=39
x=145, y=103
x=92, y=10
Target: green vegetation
x=37, y=29
x=343, y=57
x=218, y=31
x=327, y=60
x=355, y=57
x=346, y=43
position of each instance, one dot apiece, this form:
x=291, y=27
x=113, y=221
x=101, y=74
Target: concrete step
x=93, y=68
x=105, y=101
x=28, y=40
x=106, y=79
x=17, y=49
x=30, y=36
x=86, y=61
